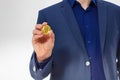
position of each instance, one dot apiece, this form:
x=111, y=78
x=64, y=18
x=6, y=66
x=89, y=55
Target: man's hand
x=43, y=44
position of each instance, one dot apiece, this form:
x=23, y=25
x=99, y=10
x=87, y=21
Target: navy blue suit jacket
x=69, y=58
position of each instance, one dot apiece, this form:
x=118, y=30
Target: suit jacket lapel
x=72, y=23
x=102, y=13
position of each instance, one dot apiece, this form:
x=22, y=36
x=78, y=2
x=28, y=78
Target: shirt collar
x=72, y=2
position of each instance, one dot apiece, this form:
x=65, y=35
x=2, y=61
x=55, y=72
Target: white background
x=17, y=20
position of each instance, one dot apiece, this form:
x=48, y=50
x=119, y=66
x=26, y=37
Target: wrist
x=42, y=58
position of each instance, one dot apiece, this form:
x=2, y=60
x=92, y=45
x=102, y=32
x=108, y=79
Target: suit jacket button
x=87, y=63
x=34, y=68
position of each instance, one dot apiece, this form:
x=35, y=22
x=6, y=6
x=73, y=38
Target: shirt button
x=86, y=26
x=89, y=42
x=87, y=63
x=90, y=58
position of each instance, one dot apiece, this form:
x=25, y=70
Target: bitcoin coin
x=45, y=30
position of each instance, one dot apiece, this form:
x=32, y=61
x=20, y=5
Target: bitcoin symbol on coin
x=45, y=30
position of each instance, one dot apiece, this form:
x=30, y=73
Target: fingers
x=38, y=34
x=44, y=23
x=39, y=26
x=51, y=35
x=36, y=37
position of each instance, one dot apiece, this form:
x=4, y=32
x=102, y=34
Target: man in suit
x=84, y=43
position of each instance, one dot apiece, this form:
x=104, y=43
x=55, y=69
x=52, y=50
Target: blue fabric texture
x=88, y=24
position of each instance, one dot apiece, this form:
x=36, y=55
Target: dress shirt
x=89, y=28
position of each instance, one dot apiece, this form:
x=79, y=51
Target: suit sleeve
x=40, y=65
x=38, y=73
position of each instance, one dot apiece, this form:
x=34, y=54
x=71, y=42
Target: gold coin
x=45, y=30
